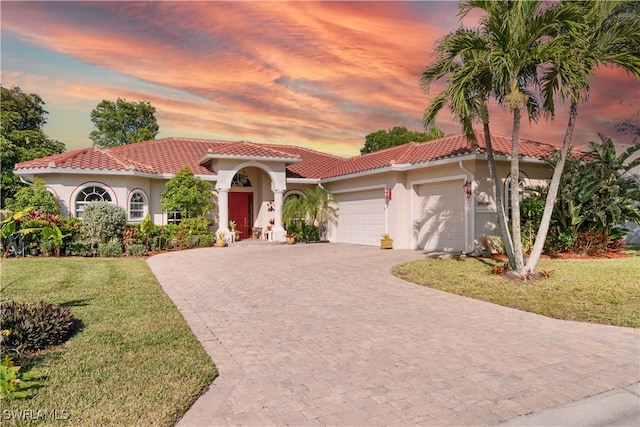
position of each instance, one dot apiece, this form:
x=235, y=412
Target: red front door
x=241, y=211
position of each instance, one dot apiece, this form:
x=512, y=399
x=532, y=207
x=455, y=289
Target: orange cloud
x=322, y=74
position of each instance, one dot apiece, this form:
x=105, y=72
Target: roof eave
x=78, y=171
x=303, y=180
x=286, y=160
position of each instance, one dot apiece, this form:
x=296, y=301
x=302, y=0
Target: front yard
x=134, y=360
x=603, y=291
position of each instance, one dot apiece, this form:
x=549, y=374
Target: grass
x=133, y=362
x=603, y=291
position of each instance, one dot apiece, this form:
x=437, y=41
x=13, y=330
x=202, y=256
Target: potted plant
x=220, y=239
x=386, y=242
x=291, y=235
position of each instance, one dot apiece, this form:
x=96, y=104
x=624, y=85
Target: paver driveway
x=323, y=335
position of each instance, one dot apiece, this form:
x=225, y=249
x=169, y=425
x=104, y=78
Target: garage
x=361, y=217
x=439, y=211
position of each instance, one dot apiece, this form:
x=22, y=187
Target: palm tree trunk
x=497, y=189
x=543, y=229
x=518, y=266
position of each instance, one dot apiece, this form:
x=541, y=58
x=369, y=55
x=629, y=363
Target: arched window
x=90, y=194
x=136, y=206
x=241, y=179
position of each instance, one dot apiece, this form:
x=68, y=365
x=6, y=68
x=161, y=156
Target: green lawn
x=597, y=290
x=134, y=361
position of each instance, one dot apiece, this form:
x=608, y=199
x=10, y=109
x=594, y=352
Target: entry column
x=278, y=231
x=223, y=209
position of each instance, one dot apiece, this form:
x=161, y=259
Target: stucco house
x=428, y=196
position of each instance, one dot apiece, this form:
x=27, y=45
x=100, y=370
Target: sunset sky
x=316, y=74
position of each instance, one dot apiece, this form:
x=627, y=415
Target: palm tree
x=314, y=210
x=461, y=57
x=520, y=38
x=607, y=35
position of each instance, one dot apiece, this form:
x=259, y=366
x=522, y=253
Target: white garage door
x=439, y=216
x=361, y=217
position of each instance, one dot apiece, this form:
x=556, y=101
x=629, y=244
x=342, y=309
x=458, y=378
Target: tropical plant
x=54, y=234
x=146, y=228
x=320, y=207
x=605, y=34
x=596, y=194
x=309, y=214
x=13, y=383
x=9, y=229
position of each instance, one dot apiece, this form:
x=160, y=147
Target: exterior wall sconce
x=468, y=188
x=387, y=195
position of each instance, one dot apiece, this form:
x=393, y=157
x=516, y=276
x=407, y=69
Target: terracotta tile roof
x=168, y=155
x=251, y=149
x=447, y=147
x=314, y=164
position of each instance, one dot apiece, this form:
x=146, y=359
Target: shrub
x=103, y=221
x=111, y=249
x=206, y=240
x=192, y=241
x=80, y=248
x=35, y=326
x=130, y=235
x=46, y=247
x=195, y=226
x=137, y=249
x=35, y=195
x=591, y=244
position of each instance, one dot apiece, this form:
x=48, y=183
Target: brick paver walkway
x=322, y=335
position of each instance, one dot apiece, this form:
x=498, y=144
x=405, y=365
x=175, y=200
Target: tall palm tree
x=461, y=58
x=607, y=35
x=520, y=37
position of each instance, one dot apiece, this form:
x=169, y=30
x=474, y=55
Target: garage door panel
x=439, y=215
x=361, y=217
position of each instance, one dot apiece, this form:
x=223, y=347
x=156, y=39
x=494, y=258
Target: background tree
x=187, y=194
x=123, y=122
x=35, y=195
x=399, y=135
x=22, y=117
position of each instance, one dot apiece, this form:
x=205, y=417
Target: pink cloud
x=311, y=73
